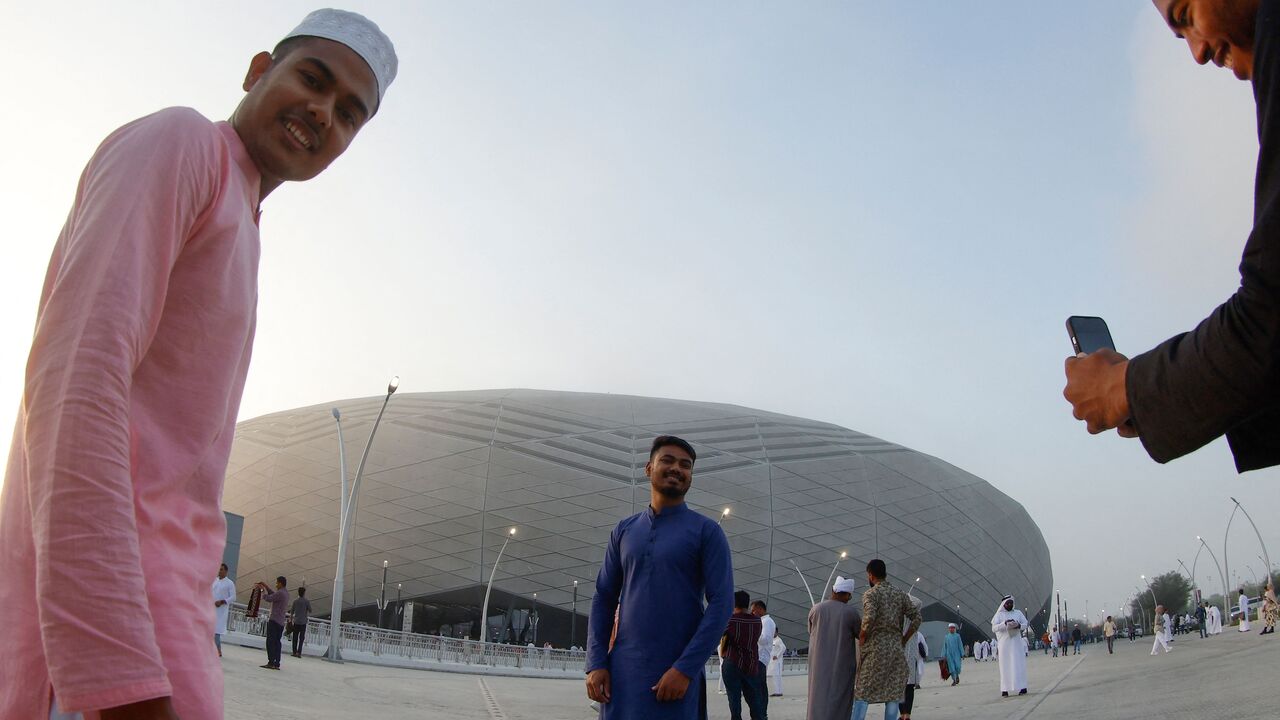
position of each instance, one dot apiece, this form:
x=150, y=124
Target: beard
x=671, y=492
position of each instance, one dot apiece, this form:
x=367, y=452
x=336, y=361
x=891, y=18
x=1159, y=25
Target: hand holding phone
x=1096, y=377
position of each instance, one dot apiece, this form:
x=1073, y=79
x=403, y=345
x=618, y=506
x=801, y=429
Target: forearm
x=1195, y=387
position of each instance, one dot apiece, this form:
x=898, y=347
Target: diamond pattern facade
x=450, y=473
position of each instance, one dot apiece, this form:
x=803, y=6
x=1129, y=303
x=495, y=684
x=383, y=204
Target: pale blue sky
x=874, y=214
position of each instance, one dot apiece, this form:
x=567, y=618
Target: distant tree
x=1172, y=589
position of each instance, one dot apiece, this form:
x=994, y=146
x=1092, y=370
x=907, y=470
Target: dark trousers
x=740, y=685
x=908, y=697
x=299, y=637
x=1111, y=639
x=274, y=632
x=1203, y=634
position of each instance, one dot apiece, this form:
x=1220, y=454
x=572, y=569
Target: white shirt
x=225, y=590
x=768, y=631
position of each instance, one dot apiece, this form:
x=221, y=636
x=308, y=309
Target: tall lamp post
x=804, y=580
x=1154, y=602
x=913, y=586
x=832, y=576
x=484, y=611
x=1255, y=531
x=382, y=594
x=399, y=605
x=334, y=654
x=1226, y=613
x=723, y=515
x=573, y=619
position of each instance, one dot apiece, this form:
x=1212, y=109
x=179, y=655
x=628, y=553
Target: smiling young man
x=1223, y=377
x=662, y=563
x=141, y=347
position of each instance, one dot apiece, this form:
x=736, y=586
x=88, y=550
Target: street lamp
x=533, y=620
x=382, y=594
x=832, y=576
x=1255, y=530
x=723, y=514
x=1226, y=614
x=334, y=653
x=484, y=611
x=573, y=619
x=804, y=580
x=913, y=586
x=1154, y=602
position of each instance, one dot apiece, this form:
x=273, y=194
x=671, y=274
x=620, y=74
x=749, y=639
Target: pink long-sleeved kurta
x=110, y=519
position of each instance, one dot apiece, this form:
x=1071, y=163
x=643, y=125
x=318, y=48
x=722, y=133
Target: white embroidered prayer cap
x=358, y=33
x=843, y=585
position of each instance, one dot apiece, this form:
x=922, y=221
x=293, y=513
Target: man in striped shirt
x=742, y=675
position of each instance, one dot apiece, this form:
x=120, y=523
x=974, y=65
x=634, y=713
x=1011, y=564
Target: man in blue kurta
x=659, y=567
x=953, y=651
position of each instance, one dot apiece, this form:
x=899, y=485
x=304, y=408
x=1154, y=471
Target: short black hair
x=280, y=579
x=762, y=605
x=877, y=569
x=741, y=598
x=288, y=45
x=664, y=440
x=224, y=566
x=302, y=591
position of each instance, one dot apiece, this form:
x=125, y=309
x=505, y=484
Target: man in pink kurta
x=141, y=347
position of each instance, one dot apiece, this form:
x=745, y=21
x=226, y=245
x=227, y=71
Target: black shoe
x=1023, y=691
x=268, y=666
x=1004, y=694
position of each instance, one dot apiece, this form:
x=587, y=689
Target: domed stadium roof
x=450, y=473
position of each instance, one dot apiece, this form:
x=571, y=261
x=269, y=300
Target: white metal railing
x=453, y=651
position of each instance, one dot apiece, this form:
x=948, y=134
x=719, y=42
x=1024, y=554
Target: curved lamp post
x=1267, y=559
x=805, y=581
x=334, y=653
x=484, y=611
x=832, y=576
x=1154, y=602
x=913, y=586
x=723, y=514
x=1226, y=613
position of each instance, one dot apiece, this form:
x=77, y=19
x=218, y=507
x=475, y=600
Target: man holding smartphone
x=1223, y=377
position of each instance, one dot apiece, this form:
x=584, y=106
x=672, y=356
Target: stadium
x=450, y=474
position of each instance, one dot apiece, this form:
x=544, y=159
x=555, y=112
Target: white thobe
x=775, y=663
x=1244, y=613
x=224, y=590
x=1215, y=620
x=764, y=646
x=1011, y=650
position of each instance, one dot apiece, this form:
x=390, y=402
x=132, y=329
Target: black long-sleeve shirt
x=1224, y=376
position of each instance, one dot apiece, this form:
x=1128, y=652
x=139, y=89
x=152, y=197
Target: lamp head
x=725, y=513
x=512, y=532
x=395, y=383
x=843, y=555
x=337, y=415
x=385, y=563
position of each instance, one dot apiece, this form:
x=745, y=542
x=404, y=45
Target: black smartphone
x=1089, y=334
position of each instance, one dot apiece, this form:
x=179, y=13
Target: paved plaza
x=1233, y=675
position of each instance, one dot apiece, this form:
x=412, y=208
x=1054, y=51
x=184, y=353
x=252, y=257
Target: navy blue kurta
x=660, y=567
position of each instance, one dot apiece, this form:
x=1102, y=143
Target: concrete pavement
x=1233, y=674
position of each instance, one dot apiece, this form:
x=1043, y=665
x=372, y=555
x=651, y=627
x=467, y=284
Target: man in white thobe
x=1163, y=630
x=224, y=593
x=1244, y=611
x=764, y=646
x=778, y=650
x=1215, y=620
x=1008, y=624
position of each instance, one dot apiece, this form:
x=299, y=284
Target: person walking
x=1243, y=605
x=224, y=593
x=883, y=673
x=1109, y=632
x=764, y=651
x=1270, y=609
x=1076, y=639
x=299, y=615
x=1161, y=630
x=834, y=626
x=667, y=562
x=143, y=335
x=1202, y=619
x=951, y=646
x=743, y=673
